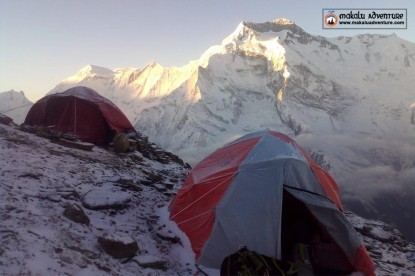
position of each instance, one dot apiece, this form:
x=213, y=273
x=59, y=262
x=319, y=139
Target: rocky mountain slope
x=348, y=100
x=15, y=105
x=76, y=212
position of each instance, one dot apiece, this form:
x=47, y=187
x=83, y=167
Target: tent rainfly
x=82, y=111
x=263, y=191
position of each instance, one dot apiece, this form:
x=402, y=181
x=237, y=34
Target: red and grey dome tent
x=82, y=111
x=239, y=196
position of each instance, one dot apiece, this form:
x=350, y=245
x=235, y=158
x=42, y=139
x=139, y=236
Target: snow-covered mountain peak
x=153, y=64
x=254, y=40
x=282, y=31
x=270, y=39
x=13, y=96
x=272, y=26
x=281, y=27
x=283, y=21
x=91, y=71
x=95, y=70
x=250, y=30
x=15, y=105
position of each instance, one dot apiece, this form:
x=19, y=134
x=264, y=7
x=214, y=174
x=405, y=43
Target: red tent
x=82, y=111
x=260, y=191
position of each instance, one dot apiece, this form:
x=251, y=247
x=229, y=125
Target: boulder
x=5, y=120
x=118, y=245
x=75, y=213
x=99, y=199
x=150, y=261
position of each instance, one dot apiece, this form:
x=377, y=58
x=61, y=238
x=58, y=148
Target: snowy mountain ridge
x=348, y=99
x=290, y=76
x=131, y=89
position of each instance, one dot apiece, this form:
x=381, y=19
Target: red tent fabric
x=236, y=197
x=82, y=111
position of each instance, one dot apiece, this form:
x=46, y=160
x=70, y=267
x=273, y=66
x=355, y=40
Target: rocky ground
x=392, y=253
x=68, y=211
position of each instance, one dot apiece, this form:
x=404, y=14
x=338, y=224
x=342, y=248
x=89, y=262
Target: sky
x=45, y=41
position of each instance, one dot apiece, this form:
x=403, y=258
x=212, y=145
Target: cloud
x=376, y=175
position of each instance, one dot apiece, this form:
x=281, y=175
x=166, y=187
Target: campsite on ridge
x=62, y=205
x=265, y=107
x=360, y=125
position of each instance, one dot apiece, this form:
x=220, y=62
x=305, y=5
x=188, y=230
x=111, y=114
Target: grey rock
x=75, y=213
x=118, y=245
x=99, y=199
x=150, y=261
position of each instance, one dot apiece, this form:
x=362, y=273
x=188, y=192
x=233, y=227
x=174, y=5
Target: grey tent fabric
x=260, y=179
x=238, y=220
x=271, y=148
x=326, y=212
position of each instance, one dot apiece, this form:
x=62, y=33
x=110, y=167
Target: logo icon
x=331, y=19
